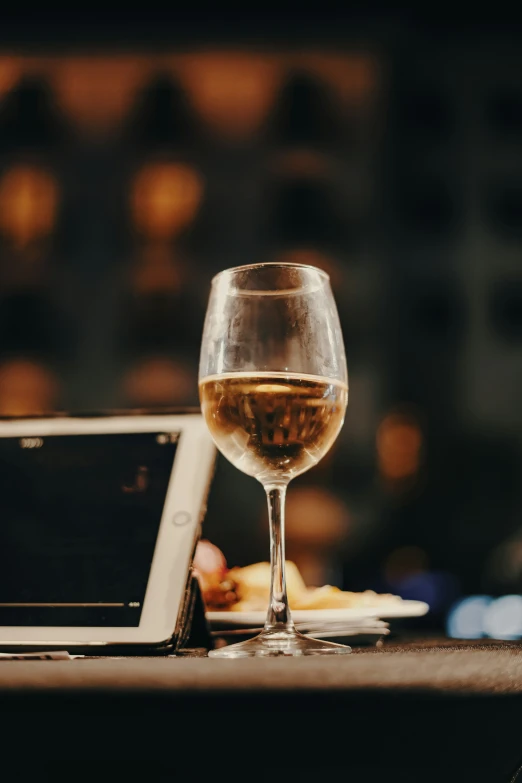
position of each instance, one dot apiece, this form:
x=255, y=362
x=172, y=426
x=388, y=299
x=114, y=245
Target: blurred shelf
x=505, y=310
x=502, y=207
x=29, y=119
x=162, y=120
x=305, y=115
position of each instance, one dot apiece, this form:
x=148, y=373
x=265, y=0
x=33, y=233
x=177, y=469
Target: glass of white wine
x=273, y=386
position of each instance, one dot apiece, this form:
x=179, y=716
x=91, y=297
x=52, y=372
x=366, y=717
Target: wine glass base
x=272, y=644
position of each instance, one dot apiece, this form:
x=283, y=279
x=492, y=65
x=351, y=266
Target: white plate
x=385, y=611
x=403, y=609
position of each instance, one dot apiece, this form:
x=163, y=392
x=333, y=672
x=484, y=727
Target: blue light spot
x=466, y=618
x=503, y=618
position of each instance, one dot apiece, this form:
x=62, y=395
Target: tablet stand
x=194, y=637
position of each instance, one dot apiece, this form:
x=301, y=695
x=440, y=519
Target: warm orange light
x=165, y=199
x=354, y=76
x=26, y=387
x=157, y=271
x=231, y=92
x=158, y=381
x=317, y=523
x=28, y=204
x=97, y=91
x=315, y=517
x=399, y=444
x=302, y=163
x=10, y=70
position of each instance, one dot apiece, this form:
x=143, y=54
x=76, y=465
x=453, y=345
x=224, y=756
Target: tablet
x=99, y=518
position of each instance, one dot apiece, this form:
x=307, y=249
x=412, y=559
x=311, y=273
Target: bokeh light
x=466, y=617
x=92, y=100
x=317, y=524
x=503, y=618
x=10, y=70
x=28, y=204
x=399, y=446
x=480, y=616
x=354, y=77
x=302, y=162
x=232, y=92
x=27, y=387
x=407, y=572
x=165, y=199
x=159, y=381
x=156, y=270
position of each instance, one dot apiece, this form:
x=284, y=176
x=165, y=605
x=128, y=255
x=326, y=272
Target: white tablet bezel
x=178, y=530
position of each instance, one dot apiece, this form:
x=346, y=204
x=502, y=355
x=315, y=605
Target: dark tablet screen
x=79, y=519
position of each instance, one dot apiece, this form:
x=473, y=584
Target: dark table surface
x=435, y=667
x=432, y=709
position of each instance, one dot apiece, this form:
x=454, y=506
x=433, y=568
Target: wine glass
x=273, y=387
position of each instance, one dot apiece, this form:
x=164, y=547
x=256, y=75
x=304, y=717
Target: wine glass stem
x=278, y=616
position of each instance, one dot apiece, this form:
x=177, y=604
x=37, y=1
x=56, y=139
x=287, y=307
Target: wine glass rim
x=281, y=264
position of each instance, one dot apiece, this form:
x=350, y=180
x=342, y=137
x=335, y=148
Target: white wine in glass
x=274, y=388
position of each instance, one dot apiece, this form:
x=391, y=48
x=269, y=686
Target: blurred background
x=140, y=156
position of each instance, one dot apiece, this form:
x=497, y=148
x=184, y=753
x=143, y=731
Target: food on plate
x=247, y=589
x=252, y=586
x=210, y=567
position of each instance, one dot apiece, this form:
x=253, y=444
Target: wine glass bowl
x=273, y=388
x=271, y=426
